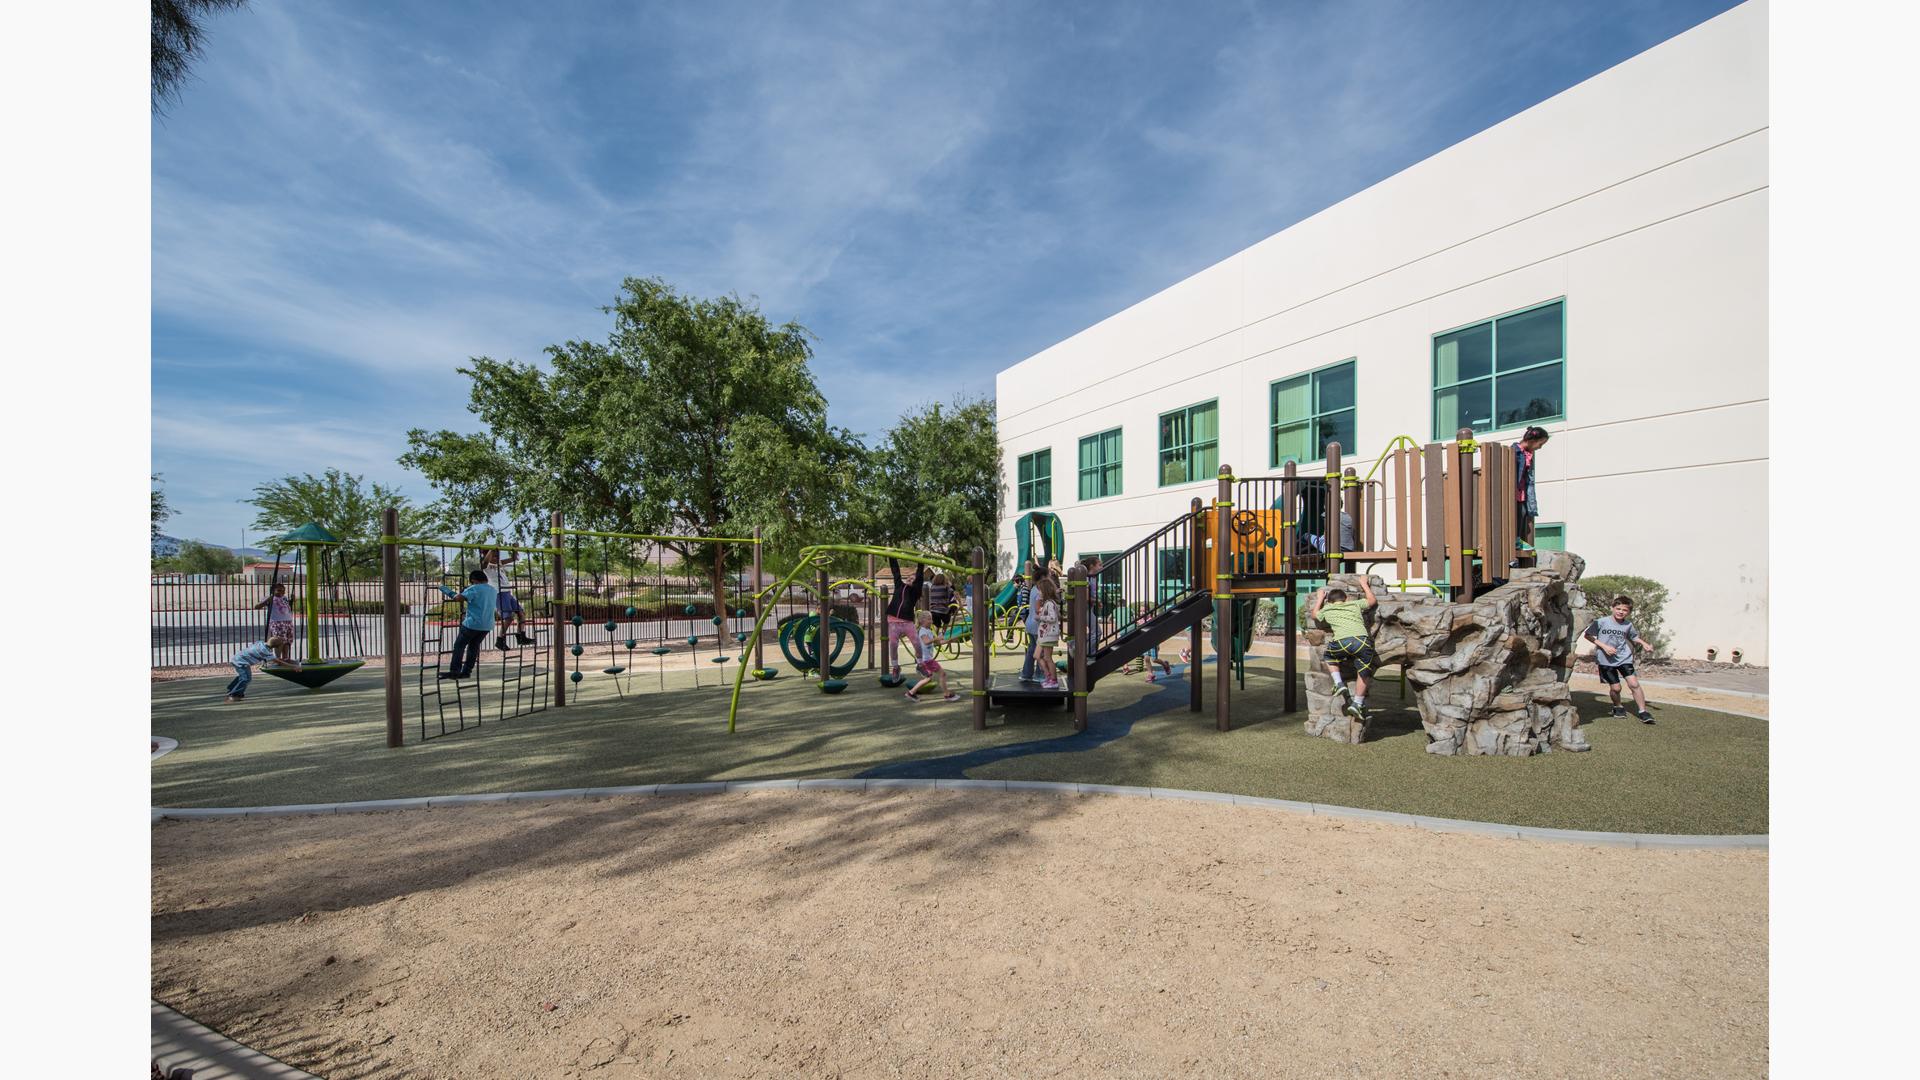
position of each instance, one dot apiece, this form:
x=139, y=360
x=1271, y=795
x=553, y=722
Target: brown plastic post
x=1435, y=499
x=1223, y=600
x=1496, y=465
x=1402, y=513
x=824, y=636
x=1077, y=587
x=873, y=626
x=559, y=611
x=980, y=632
x=1289, y=604
x=1350, y=493
x=1194, y=644
x=390, y=619
x=1290, y=506
x=1330, y=528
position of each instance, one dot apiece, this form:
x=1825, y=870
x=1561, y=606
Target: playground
x=596, y=931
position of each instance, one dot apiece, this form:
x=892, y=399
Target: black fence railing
x=1143, y=582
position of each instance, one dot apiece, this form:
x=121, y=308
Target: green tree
x=695, y=417
x=195, y=557
x=342, y=503
x=161, y=511
x=178, y=38
x=936, y=481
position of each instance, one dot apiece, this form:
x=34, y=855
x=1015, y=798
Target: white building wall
x=1640, y=196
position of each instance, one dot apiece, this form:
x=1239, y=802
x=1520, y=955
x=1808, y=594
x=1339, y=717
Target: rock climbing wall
x=1490, y=675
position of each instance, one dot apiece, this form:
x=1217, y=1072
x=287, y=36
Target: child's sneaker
x=1050, y=684
x=500, y=643
x=1619, y=710
x=951, y=697
x=1646, y=718
x=523, y=638
x=232, y=700
x=1355, y=709
x=911, y=696
x=1149, y=674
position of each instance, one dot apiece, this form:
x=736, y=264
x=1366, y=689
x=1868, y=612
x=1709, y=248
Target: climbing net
x=640, y=616
x=508, y=674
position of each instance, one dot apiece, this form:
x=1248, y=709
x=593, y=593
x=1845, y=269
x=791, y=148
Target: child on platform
x=271, y=651
x=1046, y=617
x=279, y=613
x=928, y=667
x=507, y=606
x=1347, y=639
x=1614, y=637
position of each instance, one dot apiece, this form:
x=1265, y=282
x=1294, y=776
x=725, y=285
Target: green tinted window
x=1100, y=465
x=1036, y=479
x=1306, y=412
x=1190, y=444
x=1503, y=373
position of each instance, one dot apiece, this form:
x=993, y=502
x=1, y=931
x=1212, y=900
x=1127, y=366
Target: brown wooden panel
x=1400, y=512
x=1434, y=499
x=1455, y=528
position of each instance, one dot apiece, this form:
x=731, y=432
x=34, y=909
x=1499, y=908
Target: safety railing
x=1145, y=581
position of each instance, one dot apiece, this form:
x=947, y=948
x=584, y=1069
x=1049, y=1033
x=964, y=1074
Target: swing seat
x=315, y=676
x=612, y=670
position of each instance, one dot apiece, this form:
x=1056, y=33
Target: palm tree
x=177, y=40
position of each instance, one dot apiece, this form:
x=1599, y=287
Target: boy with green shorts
x=1348, y=640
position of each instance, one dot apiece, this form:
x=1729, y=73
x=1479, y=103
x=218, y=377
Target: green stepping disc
x=662, y=651
x=611, y=625
x=693, y=641
x=576, y=650
x=832, y=686
x=574, y=676
x=689, y=609
x=630, y=644
x=577, y=621
x=719, y=659
x=610, y=670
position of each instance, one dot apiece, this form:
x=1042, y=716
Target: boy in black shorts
x=1613, y=640
x=1349, y=640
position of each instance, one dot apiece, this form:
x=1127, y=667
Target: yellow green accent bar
x=650, y=536
x=415, y=541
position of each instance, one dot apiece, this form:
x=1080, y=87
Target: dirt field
x=932, y=934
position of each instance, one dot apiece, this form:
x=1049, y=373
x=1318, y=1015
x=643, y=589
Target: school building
x=1596, y=265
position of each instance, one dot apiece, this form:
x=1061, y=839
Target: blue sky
x=352, y=199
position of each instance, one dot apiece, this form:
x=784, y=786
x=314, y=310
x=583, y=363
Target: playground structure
x=1439, y=516
x=322, y=603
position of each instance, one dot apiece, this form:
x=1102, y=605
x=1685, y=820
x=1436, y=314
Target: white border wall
x=1640, y=196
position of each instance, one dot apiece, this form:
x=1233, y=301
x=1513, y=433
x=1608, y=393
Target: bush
x=1649, y=604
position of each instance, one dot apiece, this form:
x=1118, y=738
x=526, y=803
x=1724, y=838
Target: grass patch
x=1696, y=772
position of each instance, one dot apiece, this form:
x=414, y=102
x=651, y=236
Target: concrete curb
x=1666, y=842
x=179, y=1042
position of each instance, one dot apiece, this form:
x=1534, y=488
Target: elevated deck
x=1007, y=689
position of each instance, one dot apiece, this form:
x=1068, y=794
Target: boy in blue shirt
x=475, y=624
x=271, y=651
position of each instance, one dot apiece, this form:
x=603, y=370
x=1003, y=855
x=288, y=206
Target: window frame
x=1273, y=422
x=1159, y=470
x=1493, y=371
x=1020, y=487
x=1117, y=464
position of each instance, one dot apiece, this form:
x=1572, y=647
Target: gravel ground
x=934, y=934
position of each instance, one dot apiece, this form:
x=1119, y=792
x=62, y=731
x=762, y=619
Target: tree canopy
x=344, y=504
x=161, y=511
x=195, y=557
x=936, y=481
x=695, y=417
x=178, y=38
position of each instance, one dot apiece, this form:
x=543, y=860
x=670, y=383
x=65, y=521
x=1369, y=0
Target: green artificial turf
x=1696, y=772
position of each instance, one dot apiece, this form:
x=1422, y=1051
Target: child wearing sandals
x=928, y=667
x=279, y=613
x=1046, y=614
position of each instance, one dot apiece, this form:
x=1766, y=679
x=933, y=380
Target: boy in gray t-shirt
x=1613, y=638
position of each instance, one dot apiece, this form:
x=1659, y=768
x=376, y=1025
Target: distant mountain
x=165, y=546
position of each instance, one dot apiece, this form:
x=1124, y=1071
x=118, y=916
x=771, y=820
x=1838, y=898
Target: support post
x=1354, y=505
x=1336, y=505
x=1223, y=600
x=1290, y=510
x=1077, y=607
x=824, y=636
x=390, y=620
x=1466, y=580
x=1197, y=528
x=756, y=589
x=1402, y=513
x=981, y=635
x=1290, y=614
x=310, y=559
x=873, y=625
x=559, y=611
